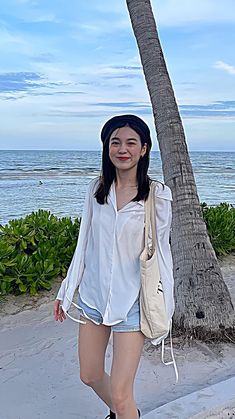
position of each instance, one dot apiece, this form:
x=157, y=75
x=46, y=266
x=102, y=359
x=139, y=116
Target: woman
x=106, y=267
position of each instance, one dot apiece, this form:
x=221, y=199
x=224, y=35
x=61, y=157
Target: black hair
x=108, y=171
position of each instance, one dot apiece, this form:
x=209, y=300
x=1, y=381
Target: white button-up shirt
x=105, y=264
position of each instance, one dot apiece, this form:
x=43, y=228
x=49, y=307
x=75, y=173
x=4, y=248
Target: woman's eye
x=115, y=142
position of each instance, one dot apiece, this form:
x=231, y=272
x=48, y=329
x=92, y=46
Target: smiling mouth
x=123, y=158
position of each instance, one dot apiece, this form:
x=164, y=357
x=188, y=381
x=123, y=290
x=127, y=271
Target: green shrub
x=38, y=248
x=34, y=250
x=220, y=222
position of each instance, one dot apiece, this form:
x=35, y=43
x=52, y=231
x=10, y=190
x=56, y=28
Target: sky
x=68, y=66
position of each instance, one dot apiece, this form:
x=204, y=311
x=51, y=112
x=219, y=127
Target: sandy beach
x=40, y=372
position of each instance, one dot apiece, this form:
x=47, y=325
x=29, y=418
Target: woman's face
x=125, y=148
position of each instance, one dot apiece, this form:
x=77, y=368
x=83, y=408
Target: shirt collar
x=112, y=196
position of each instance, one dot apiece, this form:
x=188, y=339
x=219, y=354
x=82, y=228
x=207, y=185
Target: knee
x=90, y=379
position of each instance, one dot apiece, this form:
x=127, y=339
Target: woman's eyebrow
x=128, y=139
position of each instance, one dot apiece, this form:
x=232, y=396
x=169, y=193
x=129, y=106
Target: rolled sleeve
x=61, y=292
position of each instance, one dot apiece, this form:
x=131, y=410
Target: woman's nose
x=122, y=148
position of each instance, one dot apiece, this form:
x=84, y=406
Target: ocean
x=57, y=180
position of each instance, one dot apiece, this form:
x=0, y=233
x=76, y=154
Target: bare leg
x=127, y=349
x=93, y=342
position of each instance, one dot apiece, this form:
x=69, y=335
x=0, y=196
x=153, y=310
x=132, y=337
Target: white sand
x=224, y=413
x=39, y=376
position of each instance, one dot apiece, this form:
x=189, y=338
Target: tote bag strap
x=150, y=218
x=146, y=221
x=153, y=215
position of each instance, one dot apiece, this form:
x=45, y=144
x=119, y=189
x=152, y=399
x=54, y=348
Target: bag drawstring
x=172, y=355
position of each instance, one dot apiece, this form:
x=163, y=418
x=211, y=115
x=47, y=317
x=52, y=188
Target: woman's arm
x=75, y=270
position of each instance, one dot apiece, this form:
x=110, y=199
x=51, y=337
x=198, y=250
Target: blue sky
x=67, y=66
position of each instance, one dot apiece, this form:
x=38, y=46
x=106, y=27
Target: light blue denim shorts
x=131, y=324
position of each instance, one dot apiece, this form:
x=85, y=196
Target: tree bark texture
x=203, y=302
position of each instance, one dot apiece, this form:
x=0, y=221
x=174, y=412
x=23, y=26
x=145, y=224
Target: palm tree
x=203, y=302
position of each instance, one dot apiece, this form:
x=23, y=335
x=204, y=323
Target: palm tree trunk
x=203, y=302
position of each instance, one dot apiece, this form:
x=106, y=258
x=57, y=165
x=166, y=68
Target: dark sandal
x=113, y=416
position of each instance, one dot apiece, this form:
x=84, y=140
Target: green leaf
x=23, y=288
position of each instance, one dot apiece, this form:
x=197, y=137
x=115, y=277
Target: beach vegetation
x=35, y=250
x=220, y=222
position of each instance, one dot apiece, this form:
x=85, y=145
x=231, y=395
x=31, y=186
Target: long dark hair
x=108, y=171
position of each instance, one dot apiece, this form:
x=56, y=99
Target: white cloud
x=31, y=2
x=41, y=18
x=17, y=43
x=93, y=51
x=99, y=28
x=223, y=66
x=186, y=12
x=10, y=39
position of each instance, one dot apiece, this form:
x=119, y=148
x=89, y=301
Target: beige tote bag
x=153, y=316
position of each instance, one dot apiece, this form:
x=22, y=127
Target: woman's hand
x=58, y=311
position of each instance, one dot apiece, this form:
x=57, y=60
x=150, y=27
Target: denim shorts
x=131, y=324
